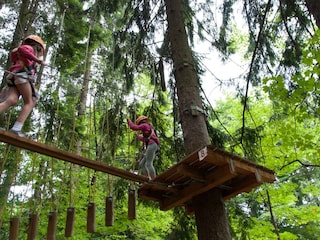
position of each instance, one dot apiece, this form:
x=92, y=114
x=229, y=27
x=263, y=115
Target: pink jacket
x=145, y=128
x=25, y=54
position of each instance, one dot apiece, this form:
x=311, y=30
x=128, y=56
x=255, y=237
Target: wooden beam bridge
x=47, y=150
x=201, y=171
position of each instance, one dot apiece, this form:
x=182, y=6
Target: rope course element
x=199, y=172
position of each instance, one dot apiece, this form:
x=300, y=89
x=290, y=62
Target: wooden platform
x=201, y=171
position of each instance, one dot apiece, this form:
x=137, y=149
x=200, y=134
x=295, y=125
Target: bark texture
x=192, y=120
x=211, y=217
x=314, y=9
x=209, y=207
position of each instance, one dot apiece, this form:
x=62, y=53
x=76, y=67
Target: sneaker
x=19, y=133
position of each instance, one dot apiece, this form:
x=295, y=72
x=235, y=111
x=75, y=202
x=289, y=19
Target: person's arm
x=140, y=137
x=134, y=126
x=26, y=51
x=141, y=127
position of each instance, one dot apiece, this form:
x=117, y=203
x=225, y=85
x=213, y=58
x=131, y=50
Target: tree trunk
x=314, y=9
x=27, y=15
x=188, y=90
x=209, y=207
x=211, y=216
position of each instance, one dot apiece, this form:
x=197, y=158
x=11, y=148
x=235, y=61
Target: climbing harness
x=151, y=135
x=29, y=77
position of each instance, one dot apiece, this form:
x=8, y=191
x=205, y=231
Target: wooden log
x=132, y=204
x=33, y=226
x=71, y=213
x=14, y=228
x=52, y=225
x=109, y=218
x=91, y=217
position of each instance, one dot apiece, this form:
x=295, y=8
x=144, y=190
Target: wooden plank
x=228, y=155
x=190, y=172
x=155, y=186
x=47, y=150
x=245, y=185
x=216, y=158
x=149, y=196
x=216, y=178
x=244, y=168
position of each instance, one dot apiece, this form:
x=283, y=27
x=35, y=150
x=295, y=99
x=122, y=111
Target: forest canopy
x=112, y=60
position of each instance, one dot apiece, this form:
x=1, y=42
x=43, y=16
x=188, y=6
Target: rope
x=92, y=181
x=71, y=165
x=4, y=159
x=14, y=180
x=55, y=205
x=129, y=144
x=108, y=143
x=110, y=178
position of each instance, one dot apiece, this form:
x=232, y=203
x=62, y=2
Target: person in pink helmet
x=21, y=79
x=151, y=142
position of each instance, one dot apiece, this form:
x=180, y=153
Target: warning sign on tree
x=203, y=153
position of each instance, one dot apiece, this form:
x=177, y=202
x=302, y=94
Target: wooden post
x=132, y=204
x=109, y=219
x=52, y=225
x=33, y=226
x=71, y=212
x=14, y=228
x=91, y=217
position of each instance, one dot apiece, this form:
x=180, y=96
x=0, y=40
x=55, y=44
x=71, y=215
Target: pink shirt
x=145, y=128
x=25, y=54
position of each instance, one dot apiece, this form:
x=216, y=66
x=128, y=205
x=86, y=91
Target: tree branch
x=262, y=23
x=299, y=161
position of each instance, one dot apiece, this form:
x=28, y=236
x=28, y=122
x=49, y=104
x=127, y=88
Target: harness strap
x=31, y=85
x=12, y=84
x=150, y=136
x=28, y=70
x=25, y=68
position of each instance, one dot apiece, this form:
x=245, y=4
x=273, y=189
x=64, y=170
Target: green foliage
x=285, y=134
x=278, y=129
x=183, y=227
x=261, y=230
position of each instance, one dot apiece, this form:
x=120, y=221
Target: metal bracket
x=195, y=110
x=231, y=166
x=258, y=177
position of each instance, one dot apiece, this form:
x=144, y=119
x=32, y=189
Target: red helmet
x=36, y=39
x=141, y=118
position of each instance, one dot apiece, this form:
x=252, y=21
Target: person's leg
x=28, y=103
x=11, y=100
x=150, y=154
x=142, y=164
